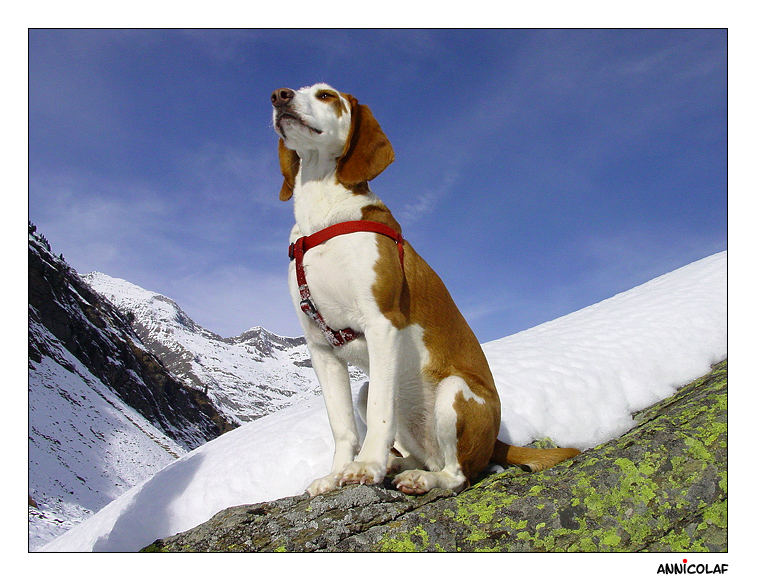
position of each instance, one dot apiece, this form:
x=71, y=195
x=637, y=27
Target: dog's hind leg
x=455, y=472
x=399, y=459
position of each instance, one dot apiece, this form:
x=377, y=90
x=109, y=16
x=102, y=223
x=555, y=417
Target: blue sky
x=537, y=171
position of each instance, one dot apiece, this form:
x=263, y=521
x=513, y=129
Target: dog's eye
x=323, y=96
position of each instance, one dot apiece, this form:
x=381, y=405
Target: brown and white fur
x=431, y=395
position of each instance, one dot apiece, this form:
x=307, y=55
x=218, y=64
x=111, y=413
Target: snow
x=85, y=444
x=576, y=379
x=246, y=377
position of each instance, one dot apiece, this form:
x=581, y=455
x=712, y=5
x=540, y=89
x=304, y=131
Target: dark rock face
x=660, y=487
x=102, y=339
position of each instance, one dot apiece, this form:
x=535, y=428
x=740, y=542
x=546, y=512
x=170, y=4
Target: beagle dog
x=365, y=297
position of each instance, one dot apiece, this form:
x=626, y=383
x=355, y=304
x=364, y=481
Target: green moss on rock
x=660, y=487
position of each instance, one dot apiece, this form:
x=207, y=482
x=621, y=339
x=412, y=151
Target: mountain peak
x=143, y=304
x=246, y=376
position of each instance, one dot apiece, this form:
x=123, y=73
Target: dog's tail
x=530, y=459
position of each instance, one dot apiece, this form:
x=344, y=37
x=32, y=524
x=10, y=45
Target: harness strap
x=297, y=251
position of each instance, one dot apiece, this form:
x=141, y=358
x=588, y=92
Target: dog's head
x=335, y=125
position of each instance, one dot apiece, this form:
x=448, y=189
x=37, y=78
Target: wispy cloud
x=212, y=245
x=421, y=205
x=98, y=220
x=231, y=174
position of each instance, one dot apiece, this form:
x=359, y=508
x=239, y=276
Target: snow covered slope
x=246, y=376
x=576, y=379
x=86, y=446
x=103, y=413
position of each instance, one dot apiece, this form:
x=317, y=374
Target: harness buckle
x=308, y=308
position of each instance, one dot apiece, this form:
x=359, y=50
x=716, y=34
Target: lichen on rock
x=660, y=487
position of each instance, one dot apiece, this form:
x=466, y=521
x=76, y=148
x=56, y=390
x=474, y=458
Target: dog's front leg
x=384, y=352
x=334, y=379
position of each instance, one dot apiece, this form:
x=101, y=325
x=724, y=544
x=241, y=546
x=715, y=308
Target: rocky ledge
x=660, y=487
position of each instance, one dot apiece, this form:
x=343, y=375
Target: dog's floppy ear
x=289, y=162
x=367, y=151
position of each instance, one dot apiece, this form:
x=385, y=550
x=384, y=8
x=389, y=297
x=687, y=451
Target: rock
x=660, y=487
x=94, y=331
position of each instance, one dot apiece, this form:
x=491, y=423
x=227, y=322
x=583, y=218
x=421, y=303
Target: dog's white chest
x=340, y=276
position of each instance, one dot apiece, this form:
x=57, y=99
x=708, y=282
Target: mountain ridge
x=104, y=413
x=97, y=334
x=246, y=376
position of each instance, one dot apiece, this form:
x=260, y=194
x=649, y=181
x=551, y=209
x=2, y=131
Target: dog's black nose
x=281, y=96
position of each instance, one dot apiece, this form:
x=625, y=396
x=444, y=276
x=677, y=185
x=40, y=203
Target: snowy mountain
x=104, y=414
x=246, y=377
x=86, y=446
x=576, y=379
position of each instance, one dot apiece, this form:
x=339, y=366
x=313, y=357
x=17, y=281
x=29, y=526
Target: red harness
x=298, y=249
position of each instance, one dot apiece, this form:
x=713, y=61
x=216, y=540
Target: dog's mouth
x=289, y=115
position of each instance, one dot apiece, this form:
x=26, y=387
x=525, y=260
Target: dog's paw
x=363, y=473
x=413, y=482
x=323, y=485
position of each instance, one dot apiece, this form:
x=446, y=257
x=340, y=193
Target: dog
x=365, y=297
